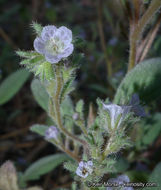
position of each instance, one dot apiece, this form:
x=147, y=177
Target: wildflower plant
x=95, y=141
x=100, y=137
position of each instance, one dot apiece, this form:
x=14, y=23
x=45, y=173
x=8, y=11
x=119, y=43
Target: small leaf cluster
x=36, y=62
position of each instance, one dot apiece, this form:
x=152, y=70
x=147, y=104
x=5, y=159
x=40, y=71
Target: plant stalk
x=136, y=34
x=102, y=38
x=57, y=110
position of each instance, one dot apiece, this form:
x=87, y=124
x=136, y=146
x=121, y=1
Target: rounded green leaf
x=144, y=79
x=12, y=84
x=39, y=129
x=43, y=166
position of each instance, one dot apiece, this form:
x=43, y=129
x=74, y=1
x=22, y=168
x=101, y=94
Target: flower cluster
x=54, y=43
x=84, y=169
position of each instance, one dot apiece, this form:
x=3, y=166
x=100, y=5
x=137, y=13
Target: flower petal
x=52, y=58
x=109, y=188
x=123, y=178
x=120, y=180
x=79, y=173
x=90, y=163
x=114, y=111
x=39, y=45
x=81, y=164
x=65, y=34
x=48, y=32
x=88, y=166
x=68, y=51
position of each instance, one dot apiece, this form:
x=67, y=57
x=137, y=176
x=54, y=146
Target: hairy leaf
x=37, y=28
x=27, y=54
x=155, y=178
x=40, y=94
x=43, y=166
x=144, y=79
x=39, y=129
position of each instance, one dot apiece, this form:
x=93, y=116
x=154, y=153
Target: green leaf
x=37, y=28
x=27, y=54
x=32, y=61
x=40, y=94
x=144, y=79
x=152, y=129
x=67, y=107
x=74, y=186
x=39, y=129
x=155, y=178
x=137, y=176
x=71, y=166
x=12, y=84
x=67, y=89
x=121, y=165
x=48, y=69
x=79, y=106
x=43, y=166
x=67, y=112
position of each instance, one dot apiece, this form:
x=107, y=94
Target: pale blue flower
x=51, y=133
x=84, y=169
x=116, y=113
x=120, y=180
x=54, y=43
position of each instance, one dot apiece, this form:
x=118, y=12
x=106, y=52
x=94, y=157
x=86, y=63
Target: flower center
x=54, y=46
x=84, y=171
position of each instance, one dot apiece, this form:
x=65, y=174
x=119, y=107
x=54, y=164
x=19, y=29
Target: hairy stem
x=71, y=154
x=137, y=4
x=57, y=110
x=136, y=34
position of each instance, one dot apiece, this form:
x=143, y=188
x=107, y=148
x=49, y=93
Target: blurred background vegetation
x=104, y=30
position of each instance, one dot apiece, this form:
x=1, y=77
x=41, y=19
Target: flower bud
x=117, y=114
x=75, y=116
x=51, y=133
